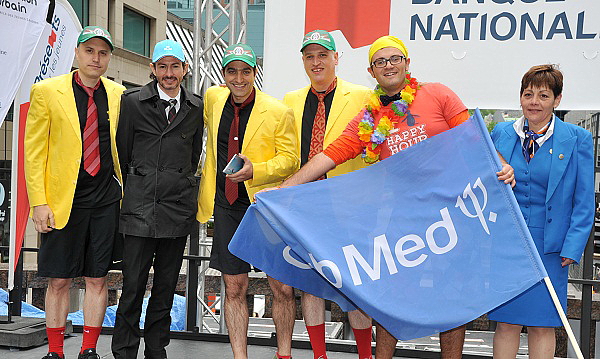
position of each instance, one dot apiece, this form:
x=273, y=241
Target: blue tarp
x=28, y=310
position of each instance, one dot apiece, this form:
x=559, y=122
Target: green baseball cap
x=89, y=32
x=241, y=52
x=319, y=37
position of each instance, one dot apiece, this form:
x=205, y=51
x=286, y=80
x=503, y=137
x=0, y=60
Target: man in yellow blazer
x=242, y=121
x=322, y=110
x=73, y=183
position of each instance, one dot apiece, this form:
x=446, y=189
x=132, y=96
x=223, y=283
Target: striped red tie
x=233, y=145
x=91, y=141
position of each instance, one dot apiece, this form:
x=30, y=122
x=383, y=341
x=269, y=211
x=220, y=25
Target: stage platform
x=178, y=349
x=194, y=346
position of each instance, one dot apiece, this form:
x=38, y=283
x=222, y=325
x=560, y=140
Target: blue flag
x=423, y=242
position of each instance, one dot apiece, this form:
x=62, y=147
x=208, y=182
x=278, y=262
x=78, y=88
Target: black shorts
x=84, y=247
x=226, y=223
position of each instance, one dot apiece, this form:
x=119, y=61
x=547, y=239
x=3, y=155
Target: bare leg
x=542, y=342
x=284, y=315
x=452, y=341
x=359, y=320
x=313, y=309
x=57, y=302
x=236, y=313
x=506, y=340
x=362, y=327
x=385, y=343
x=95, y=301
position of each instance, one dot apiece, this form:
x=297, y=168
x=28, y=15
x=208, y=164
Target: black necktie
x=172, y=111
x=386, y=100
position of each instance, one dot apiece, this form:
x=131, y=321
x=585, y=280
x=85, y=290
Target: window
x=136, y=32
x=82, y=9
x=180, y=4
x=9, y=115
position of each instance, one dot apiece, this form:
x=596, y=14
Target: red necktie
x=233, y=146
x=91, y=141
x=320, y=122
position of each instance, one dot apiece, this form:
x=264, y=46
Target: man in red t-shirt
x=401, y=112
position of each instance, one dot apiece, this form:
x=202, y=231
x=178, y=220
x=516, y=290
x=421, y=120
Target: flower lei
x=373, y=136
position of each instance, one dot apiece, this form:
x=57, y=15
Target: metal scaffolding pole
x=196, y=78
x=224, y=24
x=206, y=42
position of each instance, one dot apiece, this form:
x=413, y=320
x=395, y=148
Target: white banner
x=53, y=56
x=21, y=24
x=479, y=48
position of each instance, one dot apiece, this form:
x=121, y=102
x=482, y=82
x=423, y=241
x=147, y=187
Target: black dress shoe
x=89, y=354
x=53, y=355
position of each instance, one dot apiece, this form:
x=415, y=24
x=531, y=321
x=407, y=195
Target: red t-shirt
x=435, y=109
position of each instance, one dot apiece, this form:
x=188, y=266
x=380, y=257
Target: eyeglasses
x=382, y=61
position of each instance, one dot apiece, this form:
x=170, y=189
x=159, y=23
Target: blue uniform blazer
x=570, y=202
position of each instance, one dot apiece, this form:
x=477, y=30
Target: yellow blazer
x=53, y=145
x=348, y=100
x=269, y=142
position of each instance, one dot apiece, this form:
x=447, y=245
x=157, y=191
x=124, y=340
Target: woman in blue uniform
x=554, y=171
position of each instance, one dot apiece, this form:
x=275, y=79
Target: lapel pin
x=561, y=156
x=550, y=151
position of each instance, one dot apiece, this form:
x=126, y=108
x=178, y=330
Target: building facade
x=135, y=25
x=591, y=122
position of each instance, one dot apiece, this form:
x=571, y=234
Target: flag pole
x=563, y=318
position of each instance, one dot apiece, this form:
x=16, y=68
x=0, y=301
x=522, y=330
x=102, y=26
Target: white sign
x=21, y=24
x=479, y=48
x=53, y=56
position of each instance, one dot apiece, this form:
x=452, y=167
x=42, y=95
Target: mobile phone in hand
x=235, y=164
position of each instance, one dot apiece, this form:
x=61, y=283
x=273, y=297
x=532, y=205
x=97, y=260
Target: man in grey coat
x=159, y=140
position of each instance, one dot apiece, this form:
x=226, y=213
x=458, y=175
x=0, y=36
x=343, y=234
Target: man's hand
x=43, y=218
x=245, y=173
x=566, y=261
x=268, y=189
x=507, y=174
x=264, y=190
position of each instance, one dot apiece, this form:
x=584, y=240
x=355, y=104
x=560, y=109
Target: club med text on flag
x=423, y=241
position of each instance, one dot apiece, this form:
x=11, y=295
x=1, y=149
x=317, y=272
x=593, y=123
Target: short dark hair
x=543, y=76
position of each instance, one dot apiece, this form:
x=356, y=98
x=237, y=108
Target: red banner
x=22, y=207
x=361, y=21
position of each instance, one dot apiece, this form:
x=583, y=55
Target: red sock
x=56, y=340
x=316, y=334
x=363, y=342
x=90, y=337
x=279, y=356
